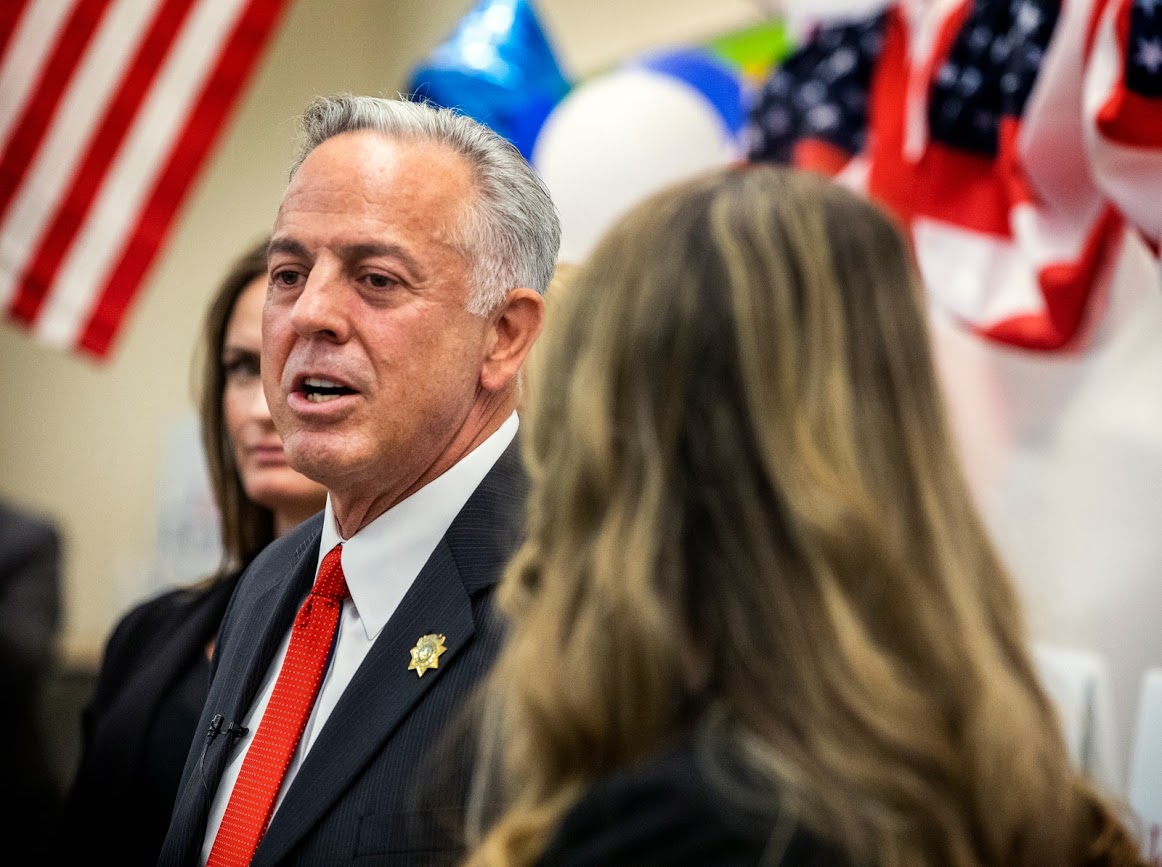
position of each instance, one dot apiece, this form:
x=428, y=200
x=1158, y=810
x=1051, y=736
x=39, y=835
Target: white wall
x=1064, y=453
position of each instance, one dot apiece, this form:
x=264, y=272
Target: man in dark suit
x=406, y=266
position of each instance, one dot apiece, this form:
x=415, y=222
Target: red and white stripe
x=108, y=108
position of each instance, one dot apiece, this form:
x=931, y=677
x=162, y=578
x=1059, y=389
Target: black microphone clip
x=218, y=725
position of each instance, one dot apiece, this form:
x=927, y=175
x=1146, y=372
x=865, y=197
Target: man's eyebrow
x=367, y=250
x=286, y=245
x=352, y=253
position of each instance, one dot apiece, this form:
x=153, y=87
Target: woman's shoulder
x=156, y=618
x=149, y=637
x=683, y=806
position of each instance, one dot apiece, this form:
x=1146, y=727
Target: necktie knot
x=330, y=581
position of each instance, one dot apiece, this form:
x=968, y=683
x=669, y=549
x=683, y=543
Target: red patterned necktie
x=256, y=790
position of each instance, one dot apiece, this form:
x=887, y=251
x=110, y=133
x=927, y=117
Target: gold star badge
x=426, y=654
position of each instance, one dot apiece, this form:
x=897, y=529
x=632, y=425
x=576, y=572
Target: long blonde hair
x=746, y=499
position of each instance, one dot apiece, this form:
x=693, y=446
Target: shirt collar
x=381, y=561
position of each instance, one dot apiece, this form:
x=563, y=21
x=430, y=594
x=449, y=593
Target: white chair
x=1078, y=683
x=1146, y=765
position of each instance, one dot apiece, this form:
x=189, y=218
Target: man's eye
x=284, y=278
x=380, y=281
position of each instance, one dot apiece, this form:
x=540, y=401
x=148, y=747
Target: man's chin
x=327, y=463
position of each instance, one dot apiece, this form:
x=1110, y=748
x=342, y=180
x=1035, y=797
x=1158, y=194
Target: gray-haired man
x=406, y=266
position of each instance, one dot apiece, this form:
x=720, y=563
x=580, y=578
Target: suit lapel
x=270, y=612
x=384, y=691
x=264, y=605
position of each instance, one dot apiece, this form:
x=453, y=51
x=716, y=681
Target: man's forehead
x=362, y=170
x=372, y=152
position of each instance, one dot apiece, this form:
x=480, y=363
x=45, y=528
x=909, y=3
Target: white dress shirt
x=380, y=562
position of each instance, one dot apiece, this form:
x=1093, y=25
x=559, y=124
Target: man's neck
x=355, y=507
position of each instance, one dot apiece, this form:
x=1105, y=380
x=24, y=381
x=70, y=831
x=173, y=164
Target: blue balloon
x=498, y=68
x=711, y=77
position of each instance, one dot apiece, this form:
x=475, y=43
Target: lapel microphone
x=231, y=728
x=217, y=725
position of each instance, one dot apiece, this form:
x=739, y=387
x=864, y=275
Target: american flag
x=108, y=108
x=1020, y=142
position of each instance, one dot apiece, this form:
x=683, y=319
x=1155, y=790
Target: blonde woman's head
x=746, y=501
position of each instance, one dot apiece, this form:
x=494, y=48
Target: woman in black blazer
x=756, y=618
x=155, y=672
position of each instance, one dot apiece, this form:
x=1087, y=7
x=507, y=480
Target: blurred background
x=1062, y=448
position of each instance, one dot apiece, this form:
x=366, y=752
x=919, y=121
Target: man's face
x=370, y=360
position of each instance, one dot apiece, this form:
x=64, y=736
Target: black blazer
x=125, y=786
x=366, y=792
x=667, y=813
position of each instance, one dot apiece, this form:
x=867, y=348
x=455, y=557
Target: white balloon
x=618, y=138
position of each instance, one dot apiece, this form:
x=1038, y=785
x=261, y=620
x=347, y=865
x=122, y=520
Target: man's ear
x=515, y=326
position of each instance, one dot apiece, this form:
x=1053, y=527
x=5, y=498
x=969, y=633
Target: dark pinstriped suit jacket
x=370, y=791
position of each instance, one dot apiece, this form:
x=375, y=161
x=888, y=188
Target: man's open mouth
x=317, y=390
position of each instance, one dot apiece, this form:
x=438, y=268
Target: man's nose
x=320, y=309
